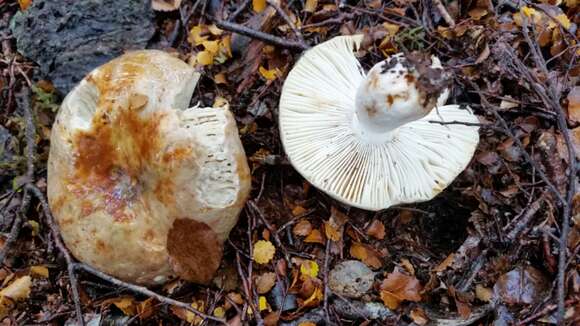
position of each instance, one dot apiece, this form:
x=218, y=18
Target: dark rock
x=278, y=300
x=69, y=38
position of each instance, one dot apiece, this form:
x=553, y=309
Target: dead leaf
x=310, y=5
x=298, y=210
x=398, y=287
x=445, y=263
x=366, y=254
x=302, y=228
x=18, y=290
x=482, y=293
x=165, y=5
x=309, y=268
x=331, y=232
x=259, y=5
x=265, y=282
x=270, y=74
x=419, y=316
x=263, y=252
x=39, y=271
x=408, y=266
x=573, y=100
x=463, y=309
x=24, y=4
x=376, y=230
x=126, y=305
x=522, y=285
x=315, y=237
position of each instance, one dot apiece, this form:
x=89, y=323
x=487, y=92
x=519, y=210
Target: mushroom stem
x=395, y=92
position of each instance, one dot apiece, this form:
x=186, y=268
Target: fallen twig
x=268, y=38
x=526, y=217
x=444, y=13
x=288, y=21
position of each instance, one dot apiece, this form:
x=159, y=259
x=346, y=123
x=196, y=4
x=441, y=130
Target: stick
x=265, y=37
x=444, y=13
x=284, y=16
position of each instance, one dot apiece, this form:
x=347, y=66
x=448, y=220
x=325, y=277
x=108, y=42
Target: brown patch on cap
x=373, y=80
x=390, y=100
x=431, y=81
x=194, y=249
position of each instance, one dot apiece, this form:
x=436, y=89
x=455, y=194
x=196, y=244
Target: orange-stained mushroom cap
x=143, y=187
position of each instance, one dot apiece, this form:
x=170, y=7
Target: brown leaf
x=463, y=309
x=302, y=228
x=573, y=100
x=315, y=237
x=376, y=230
x=482, y=293
x=408, y=266
x=398, y=287
x=419, y=316
x=331, y=232
x=265, y=282
x=445, y=263
x=310, y=5
x=366, y=254
x=522, y=285
x=271, y=319
x=194, y=250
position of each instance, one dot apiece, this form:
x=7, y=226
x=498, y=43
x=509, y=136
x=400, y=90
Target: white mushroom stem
x=390, y=96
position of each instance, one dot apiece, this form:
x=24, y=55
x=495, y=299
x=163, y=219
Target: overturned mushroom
x=367, y=140
x=142, y=187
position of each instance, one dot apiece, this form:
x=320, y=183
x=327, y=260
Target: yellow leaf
x=126, y=305
x=40, y=271
x=564, y=20
x=262, y=303
x=215, y=30
x=18, y=290
x=310, y=5
x=35, y=227
x=259, y=5
x=195, y=37
x=263, y=252
x=307, y=323
x=482, y=293
x=225, y=45
x=309, y=268
x=211, y=46
x=530, y=12
x=204, y=58
x=314, y=299
x=24, y=4
x=269, y=74
x=219, y=312
x=392, y=29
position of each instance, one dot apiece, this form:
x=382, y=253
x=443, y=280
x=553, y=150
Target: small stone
x=351, y=279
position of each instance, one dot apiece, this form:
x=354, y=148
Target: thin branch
x=265, y=37
x=145, y=291
x=444, y=13
x=288, y=21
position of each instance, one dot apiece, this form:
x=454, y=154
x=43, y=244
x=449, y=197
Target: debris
x=523, y=285
x=351, y=279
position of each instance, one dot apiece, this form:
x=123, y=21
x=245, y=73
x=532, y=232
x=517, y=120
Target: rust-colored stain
x=371, y=110
x=101, y=246
x=121, y=146
x=390, y=100
x=164, y=191
x=409, y=78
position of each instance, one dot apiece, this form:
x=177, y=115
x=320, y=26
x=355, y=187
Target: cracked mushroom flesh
x=143, y=187
x=377, y=139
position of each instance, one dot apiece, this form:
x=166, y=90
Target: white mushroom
x=367, y=140
x=142, y=187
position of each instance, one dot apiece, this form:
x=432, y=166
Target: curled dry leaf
x=165, y=5
x=574, y=104
x=302, y=228
x=263, y=252
x=445, y=263
x=398, y=287
x=18, y=290
x=522, y=285
x=376, y=230
x=265, y=282
x=315, y=237
x=419, y=316
x=39, y=271
x=366, y=254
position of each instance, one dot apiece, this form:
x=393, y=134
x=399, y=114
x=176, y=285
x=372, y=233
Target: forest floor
x=499, y=246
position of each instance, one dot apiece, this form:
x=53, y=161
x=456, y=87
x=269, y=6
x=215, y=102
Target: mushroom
x=143, y=187
x=368, y=140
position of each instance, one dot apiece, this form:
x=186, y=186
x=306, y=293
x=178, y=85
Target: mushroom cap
x=324, y=143
x=142, y=187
